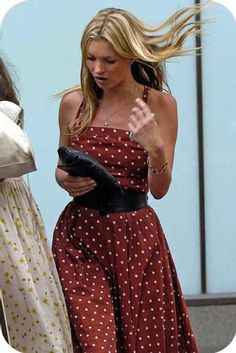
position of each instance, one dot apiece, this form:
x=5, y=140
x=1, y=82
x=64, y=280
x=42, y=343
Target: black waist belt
x=129, y=200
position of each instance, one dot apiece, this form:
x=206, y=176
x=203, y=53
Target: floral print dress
x=34, y=304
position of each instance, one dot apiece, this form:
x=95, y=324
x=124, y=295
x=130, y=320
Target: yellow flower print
x=18, y=223
x=7, y=277
x=22, y=260
x=34, y=311
x=9, y=242
x=2, y=220
x=16, y=346
x=15, y=267
x=14, y=318
x=45, y=300
x=19, y=235
x=10, y=194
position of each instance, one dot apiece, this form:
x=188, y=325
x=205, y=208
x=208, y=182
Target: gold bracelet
x=155, y=170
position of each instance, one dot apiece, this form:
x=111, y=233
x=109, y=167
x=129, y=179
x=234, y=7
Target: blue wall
x=42, y=39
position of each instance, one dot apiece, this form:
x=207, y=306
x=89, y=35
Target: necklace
x=107, y=118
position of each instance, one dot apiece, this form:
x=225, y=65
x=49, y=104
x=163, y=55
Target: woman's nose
x=98, y=67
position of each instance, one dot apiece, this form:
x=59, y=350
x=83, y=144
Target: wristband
x=155, y=170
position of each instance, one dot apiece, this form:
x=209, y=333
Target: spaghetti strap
x=146, y=91
x=79, y=112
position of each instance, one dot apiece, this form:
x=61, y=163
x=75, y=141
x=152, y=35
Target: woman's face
x=106, y=66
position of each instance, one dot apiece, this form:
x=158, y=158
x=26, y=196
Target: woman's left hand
x=144, y=127
x=157, y=135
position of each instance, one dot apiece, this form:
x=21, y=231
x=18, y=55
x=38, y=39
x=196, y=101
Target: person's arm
x=75, y=186
x=156, y=130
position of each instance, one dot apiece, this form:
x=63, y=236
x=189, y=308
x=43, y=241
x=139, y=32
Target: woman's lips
x=100, y=80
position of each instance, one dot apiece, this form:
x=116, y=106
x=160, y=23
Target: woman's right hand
x=77, y=186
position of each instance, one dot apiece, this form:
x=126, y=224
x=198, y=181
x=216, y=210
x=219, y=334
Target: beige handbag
x=16, y=153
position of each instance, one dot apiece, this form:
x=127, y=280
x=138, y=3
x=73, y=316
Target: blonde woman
x=35, y=310
x=119, y=280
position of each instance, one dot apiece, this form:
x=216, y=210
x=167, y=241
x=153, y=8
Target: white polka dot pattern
x=119, y=280
x=113, y=149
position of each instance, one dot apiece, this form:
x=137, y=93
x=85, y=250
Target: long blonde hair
x=133, y=39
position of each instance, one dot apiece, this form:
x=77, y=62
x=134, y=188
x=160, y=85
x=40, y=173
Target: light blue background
x=42, y=39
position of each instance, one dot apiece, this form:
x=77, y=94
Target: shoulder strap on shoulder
x=146, y=91
x=79, y=112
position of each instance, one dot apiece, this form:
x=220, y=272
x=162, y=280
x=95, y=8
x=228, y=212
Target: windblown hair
x=8, y=90
x=144, y=44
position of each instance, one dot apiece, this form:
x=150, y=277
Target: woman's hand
x=145, y=128
x=157, y=135
x=77, y=186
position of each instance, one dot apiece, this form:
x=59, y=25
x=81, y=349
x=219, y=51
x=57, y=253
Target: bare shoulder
x=162, y=100
x=71, y=100
x=69, y=107
x=164, y=105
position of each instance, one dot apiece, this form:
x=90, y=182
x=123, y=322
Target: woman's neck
x=119, y=93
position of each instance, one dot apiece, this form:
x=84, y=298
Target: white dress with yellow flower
x=34, y=303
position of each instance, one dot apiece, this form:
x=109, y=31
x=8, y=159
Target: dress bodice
x=124, y=159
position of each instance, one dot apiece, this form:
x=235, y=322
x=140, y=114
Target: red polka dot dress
x=117, y=273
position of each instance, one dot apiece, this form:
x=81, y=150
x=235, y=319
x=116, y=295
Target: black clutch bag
x=78, y=163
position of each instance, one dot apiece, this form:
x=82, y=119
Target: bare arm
x=156, y=130
x=69, y=106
